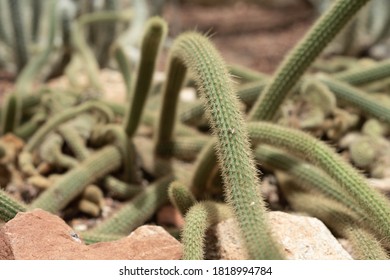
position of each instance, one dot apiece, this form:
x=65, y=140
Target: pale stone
x=300, y=237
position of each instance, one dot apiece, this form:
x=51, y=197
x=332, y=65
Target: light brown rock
x=40, y=235
x=302, y=238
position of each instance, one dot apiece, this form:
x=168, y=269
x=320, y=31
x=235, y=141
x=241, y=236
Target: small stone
x=39, y=235
x=301, y=238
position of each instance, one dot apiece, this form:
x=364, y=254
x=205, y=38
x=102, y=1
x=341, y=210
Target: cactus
x=322, y=155
x=307, y=175
x=355, y=97
x=198, y=219
x=75, y=138
x=136, y=211
x=195, y=52
x=358, y=76
x=155, y=33
x=19, y=40
x=302, y=56
x=9, y=207
x=180, y=197
x=74, y=182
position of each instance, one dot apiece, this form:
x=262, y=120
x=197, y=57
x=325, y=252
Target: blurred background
x=256, y=34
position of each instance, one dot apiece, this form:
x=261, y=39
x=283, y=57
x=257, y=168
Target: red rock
x=40, y=235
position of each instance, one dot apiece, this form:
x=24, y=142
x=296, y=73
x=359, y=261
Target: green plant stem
x=307, y=175
x=21, y=53
x=62, y=117
x=138, y=210
x=9, y=207
x=26, y=77
x=357, y=98
x=357, y=76
x=198, y=219
x=181, y=197
x=194, y=52
x=300, y=58
x=348, y=178
x=67, y=188
x=155, y=33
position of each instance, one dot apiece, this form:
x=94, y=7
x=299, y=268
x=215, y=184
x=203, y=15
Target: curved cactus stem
x=26, y=77
x=9, y=207
x=300, y=58
x=21, y=53
x=62, y=117
x=357, y=98
x=98, y=165
x=138, y=210
x=155, y=32
x=194, y=52
x=181, y=197
x=198, y=219
x=358, y=76
x=348, y=178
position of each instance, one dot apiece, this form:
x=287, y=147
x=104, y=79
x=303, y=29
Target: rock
x=40, y=235
x=302, y=238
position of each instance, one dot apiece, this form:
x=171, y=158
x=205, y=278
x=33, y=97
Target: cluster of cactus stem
x=80, y=149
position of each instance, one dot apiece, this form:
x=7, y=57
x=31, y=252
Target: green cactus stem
x=91, y=238
x=245, y=74
x=247, y=94
x=26, y=77
x=138, y=210
x=36, y=6
x=359, y=76
x=115, y=134
x=89, y=207
x=73, y=183
x=51, y=152
x=10, y=113
x=117, y=189
x=107, y=35
x=348, y=178
x=155, y=32
x=342, y=222
x=184, y=148
x=9, y=206
x=181, y=197
x=64, y=116
x=301, y=57
x=307, y=175
x=25, y=130
x=204, y=166
x=21, y=53
x=194, y=52
x=124, y=67
x=198, y=219
x=357, y=98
